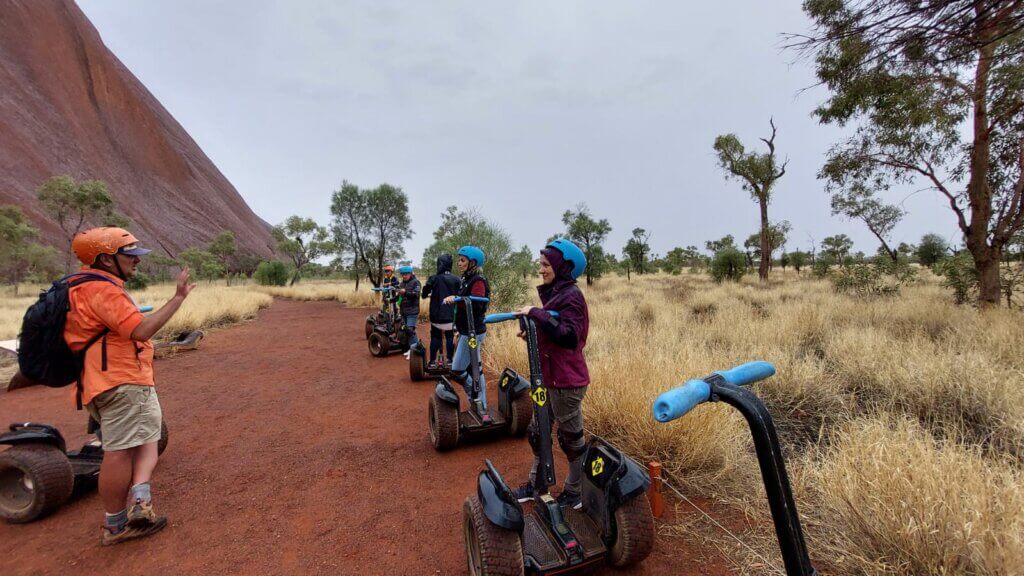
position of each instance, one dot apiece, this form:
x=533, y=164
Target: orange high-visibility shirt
x=97, y=305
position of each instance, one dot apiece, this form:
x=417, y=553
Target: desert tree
x=931, y=249
x=859, y=203
x=461, y=227
x=716, y=246
x=589, y=234
x=758, y=173
x=224, y=249
x=74, y=205
x=21, y=257
x=522, y=262
x=935, y=91
x=302, y=240
x=372, y=224
x=837, y=247
x=637, y=249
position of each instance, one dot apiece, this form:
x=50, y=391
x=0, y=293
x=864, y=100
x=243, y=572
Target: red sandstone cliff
x=68, y=106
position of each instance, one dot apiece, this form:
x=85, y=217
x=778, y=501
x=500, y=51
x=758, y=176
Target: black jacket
x=411, y=298
x=440, y=286
x=470, y=282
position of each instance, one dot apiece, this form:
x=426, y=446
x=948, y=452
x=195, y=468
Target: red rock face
x=69, y=106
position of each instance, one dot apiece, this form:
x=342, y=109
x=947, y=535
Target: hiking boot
x=570, y=500
x=132, y=532
x=141, y=514
x=524, y=493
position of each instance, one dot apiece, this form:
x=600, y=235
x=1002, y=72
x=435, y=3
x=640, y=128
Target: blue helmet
x=473, y=253
x=405, y=270
x=571, y=252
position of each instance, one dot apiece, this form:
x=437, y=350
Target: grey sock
x=141, y=492
x=116, y=522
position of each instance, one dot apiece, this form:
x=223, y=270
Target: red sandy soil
x=292, y=451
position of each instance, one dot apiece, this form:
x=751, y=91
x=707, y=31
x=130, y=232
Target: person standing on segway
x=116, y=385
x=561, y=341
x=389, y=279
x=471, y=259
x=409, y=290
x=438, y=287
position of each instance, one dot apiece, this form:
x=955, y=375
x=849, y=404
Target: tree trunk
x=766, y=255
x=979, y=193
x=987, y=265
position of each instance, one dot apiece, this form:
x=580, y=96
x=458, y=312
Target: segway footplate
x=540, y=546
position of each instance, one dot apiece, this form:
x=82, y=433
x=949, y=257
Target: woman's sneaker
x=132, y=532
x=524, y=493
x=570, y=500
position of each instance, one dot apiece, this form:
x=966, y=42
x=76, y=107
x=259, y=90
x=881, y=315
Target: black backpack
x=43, y=355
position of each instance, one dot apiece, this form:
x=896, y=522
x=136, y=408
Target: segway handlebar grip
x=473, y=298
x=383, y=289
x=677, y=402
x=748, y=373
x=145, y=309
x=500, y=317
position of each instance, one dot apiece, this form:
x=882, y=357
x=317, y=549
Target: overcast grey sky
x=520, y=109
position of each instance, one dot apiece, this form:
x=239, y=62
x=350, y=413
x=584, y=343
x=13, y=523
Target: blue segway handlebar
x=748, y=373
x=500, y=317
x=677, y=402
x=145, y=309
x=473, y=298
x=382, y=289
x=506, y=316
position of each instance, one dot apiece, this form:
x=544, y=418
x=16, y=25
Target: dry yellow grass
x=209, y=305
x=867, y=391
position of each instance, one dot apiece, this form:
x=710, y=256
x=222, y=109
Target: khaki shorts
x=129, y=416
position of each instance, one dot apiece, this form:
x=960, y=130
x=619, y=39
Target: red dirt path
x=292, y=451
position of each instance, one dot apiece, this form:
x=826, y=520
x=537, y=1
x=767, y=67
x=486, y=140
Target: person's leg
x=567, y=406
x=435, y=342
x=115, y=479
x=410, y=326
x=449, y=342
x=483, y=379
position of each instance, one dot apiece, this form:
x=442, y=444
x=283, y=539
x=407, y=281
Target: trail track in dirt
x=292, y=451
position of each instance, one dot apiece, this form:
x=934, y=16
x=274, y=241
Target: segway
x=448, y=424
x=38, y=474
x=727, y=386
x=615, y=526
x=388, y=312
x=420, y=369
x=388, y=335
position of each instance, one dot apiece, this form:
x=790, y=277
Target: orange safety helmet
x=88, y=245
x=389, y=268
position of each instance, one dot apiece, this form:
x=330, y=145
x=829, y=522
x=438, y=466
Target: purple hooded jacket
x=561, y=340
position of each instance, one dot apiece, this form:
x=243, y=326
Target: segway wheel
x=416, y=366
x=161, y=444
x=379, y=345
x=522, y=414
x=634, y=532
x=35, y=480
x=444, y=424
x=490, y=549
x=369, y=327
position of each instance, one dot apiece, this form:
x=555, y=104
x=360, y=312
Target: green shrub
x=958, y=273
x=882, y=277
x=822, y=265
x=137, y=282
x=272, y=273
x=728, y=264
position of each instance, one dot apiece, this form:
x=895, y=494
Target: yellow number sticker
x=472, y=343
x=504, y=383
x=597, y=466
x=540, y=396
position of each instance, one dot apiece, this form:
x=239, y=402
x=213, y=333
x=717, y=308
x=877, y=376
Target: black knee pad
x=571, y=443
